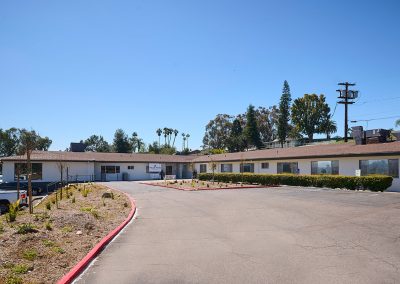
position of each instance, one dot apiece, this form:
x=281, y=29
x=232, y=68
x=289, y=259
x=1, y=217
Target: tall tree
x=251, y=130
x=397, y=123
x=121, y=142
x=9, y=141
x=217, y=132
x=96, y=144
x=236, y=142
x=267, y=122
x=307, y=114
x=176, y=132
x=159, y=132
x=284, y=113
x=29, y=141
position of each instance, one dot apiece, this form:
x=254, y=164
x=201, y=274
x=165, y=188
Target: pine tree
x=284, y=113
x=251, y=131
x=121, y=142
x=236, y=141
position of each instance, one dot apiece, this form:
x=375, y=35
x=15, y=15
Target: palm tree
x=329, y=128
x=187, y=140
x=165, y=131
x=159, y=132
x=397, y=123
x=176, y=134
x=184, y=139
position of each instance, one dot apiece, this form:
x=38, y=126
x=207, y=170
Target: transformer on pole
x=346, y=97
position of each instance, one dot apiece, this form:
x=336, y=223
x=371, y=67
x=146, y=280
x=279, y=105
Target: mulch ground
x=60, y=237
x=189, y=185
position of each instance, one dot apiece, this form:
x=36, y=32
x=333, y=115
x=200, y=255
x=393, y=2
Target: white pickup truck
x=10, y=196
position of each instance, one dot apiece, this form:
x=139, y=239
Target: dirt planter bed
x=200, y=185
x=43, y=247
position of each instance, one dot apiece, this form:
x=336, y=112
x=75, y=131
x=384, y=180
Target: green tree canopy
x=217, y=132
x=12, y=141
x=121, y=143
x=284, y=113
x=236, y=141
x=251, y=131
x=97, y=144
x=307, y=114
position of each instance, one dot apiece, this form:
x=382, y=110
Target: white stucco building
x=342, y=159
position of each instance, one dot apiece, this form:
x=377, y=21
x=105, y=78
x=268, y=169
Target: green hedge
x=373, y=182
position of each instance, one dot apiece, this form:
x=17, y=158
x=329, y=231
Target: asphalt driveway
x=272, y=235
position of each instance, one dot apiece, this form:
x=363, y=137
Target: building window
x=168, y=170
x=110, y=169
x=203, y=168
x=37, y=171
x=265, y=165
x=226, y=168
x=131, y=167
x=325, y=167
x=287, y=168
x=389, y=167
x=247, y=168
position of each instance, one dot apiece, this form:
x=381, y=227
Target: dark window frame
x=203, y=168
x=334, y=167
x=37, y=171
x=265, y=165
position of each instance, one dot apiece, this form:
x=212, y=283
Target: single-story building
x=343, y=159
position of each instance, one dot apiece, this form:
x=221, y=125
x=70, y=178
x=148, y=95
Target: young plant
x=25, y=229
x=13, y=209
x=48, y=205
x=30, y=254
x=47, y=225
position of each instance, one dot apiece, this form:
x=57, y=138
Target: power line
x=379, y=118
x=377, y=100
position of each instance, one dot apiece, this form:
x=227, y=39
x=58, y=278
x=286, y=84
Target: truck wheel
x=4, y=206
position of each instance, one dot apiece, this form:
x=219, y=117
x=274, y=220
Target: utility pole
x=346, y=97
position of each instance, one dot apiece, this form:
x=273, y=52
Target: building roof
x=306, y=152
x=100, y=157
x=303, y=152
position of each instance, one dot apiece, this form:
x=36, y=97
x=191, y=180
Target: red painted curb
x=78, y=268
x=204, y=188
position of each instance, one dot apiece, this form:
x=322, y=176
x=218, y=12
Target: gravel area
x=42, y=247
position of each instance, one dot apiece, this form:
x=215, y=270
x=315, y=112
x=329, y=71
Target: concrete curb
x=81, y=265
x=203, y=188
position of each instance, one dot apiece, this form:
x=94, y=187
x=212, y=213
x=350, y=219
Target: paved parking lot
x=272, y=235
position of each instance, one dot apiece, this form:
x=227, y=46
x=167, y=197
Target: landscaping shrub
x=373, y=182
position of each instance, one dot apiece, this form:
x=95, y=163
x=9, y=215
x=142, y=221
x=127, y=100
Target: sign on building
x=358, y=173
x=154, y=168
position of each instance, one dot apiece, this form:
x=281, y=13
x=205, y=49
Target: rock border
x=203, y=188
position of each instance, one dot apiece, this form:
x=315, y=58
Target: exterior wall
x=347, y=166
x=77, y=171
x=139, y=171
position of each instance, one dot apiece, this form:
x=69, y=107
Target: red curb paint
x=203, y=188
x=78, y=268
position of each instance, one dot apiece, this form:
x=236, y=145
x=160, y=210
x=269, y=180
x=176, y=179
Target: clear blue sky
x=69, y=69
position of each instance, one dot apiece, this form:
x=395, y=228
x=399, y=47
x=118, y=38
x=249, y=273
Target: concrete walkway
x=274, y=235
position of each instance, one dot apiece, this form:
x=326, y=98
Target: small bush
x=125, y=204
x=48, y=226
x=67, y=229
x=58, y=250
x=20, y=269
x=25, y=229
x=48, y=243
x=48, y=205
x=1, y=228
x=30, y=254
x=373, y=182
x=12, y=279
x=13, y=209
x=73, y=200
